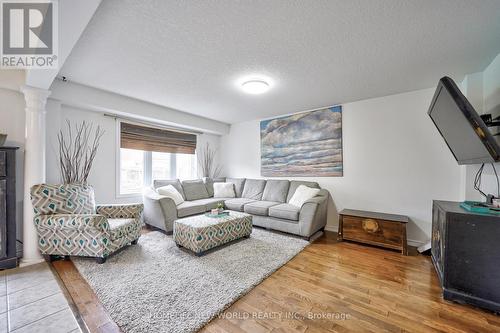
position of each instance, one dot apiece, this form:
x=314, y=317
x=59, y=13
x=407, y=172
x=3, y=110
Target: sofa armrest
x=316, y=200
x=121, y=211
x=159, y=211
x=72, y=221
x=313, y=214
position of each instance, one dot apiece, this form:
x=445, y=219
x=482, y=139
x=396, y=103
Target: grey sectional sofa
x=266, y=200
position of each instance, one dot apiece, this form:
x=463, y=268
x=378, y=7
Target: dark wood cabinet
x=466, y=254
x=379, y=229
x=8, y=257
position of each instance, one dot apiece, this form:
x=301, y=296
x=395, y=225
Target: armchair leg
x=101, y=260
x=55, y=257
x=134, y=241
x=50, y=257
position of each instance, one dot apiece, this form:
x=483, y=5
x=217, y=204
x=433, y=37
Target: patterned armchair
x=68, y=222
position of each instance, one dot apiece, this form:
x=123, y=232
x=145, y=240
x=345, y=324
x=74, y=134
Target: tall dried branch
x=206, y=161
x=78, y=147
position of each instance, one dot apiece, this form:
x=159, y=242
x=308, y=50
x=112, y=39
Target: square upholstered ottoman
x=201, y=233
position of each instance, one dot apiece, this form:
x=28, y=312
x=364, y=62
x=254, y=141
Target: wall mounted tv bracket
x=491, y=122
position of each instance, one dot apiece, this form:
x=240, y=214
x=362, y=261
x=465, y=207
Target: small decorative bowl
x=3, y=137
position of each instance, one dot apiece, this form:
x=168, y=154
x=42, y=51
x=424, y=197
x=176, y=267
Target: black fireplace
x=8, y=257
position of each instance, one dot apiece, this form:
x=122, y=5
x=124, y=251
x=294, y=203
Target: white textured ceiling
x=188, y=54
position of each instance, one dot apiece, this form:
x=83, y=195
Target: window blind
x=155, y=139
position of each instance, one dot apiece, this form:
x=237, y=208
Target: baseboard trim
x=461, y=298
x=332, y=228
x=29, y=262
x=411, y=242
x=415, y=243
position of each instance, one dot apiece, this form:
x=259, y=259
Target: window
x=147, y=154
x=131, y=171
x=185, y=166
x=161, y=164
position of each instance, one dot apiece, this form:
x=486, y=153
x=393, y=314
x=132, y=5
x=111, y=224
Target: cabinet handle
x=370, y=225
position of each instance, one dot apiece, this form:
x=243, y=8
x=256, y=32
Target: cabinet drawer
x=3, y=163
x=373, y=231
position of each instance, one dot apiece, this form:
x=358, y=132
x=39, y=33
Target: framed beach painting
x=307, y=144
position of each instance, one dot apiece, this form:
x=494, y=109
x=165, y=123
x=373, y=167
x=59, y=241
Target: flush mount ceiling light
x=255, y=86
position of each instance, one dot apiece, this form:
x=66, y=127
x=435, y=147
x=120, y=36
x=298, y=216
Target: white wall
x=394, y=160
x=491, y=87
x=12, y=123
x=103, y=175
x=214, y=142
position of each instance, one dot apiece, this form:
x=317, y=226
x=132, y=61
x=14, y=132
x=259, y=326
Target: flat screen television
x=461, y=127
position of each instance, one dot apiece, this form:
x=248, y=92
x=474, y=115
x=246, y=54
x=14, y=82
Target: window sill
x=131, y=195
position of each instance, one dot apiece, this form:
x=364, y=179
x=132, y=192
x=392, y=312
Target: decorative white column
x=34, y=165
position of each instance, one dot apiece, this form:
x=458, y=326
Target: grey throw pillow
x=253, y=189
x=238, y=185
x=209, y=184
x=276, y=190
x=195, y=189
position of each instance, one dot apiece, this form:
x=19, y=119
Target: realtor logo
x=29, y=34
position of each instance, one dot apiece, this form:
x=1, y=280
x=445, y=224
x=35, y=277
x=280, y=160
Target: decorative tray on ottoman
x=222, y=214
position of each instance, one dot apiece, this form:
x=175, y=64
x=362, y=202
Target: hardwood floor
x=328, y=287
x=91, y=310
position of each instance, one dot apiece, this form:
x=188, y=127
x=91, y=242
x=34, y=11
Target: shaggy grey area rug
x=156, y=287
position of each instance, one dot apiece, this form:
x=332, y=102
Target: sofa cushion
x=238, y=185
x=276, y=190
x=174, y=182
x=170, y=192
x=188, y=208
x=296, y=183
x=224, y=190
x=259, y=207
x=237, y=204
x=209, y=184
x=253, y=189
x=302, y=194
x=211, y=203
x=195, y=189
x=285, y=211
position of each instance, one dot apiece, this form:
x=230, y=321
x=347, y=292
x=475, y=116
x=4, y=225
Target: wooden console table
x=380, y=229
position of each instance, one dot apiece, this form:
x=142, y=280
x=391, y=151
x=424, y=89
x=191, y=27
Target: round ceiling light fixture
x=255, y=86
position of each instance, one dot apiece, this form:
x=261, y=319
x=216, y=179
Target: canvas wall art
x=307, y=144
